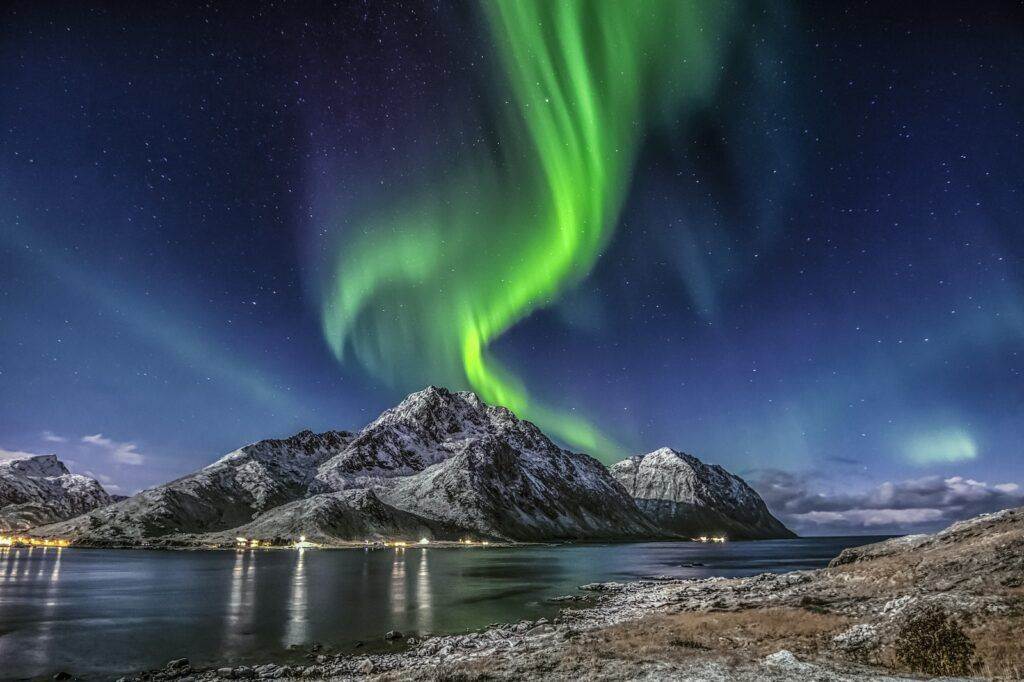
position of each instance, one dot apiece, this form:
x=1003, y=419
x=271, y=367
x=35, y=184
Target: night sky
x=788, y=239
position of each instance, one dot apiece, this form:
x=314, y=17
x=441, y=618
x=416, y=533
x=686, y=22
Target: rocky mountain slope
x=440, y=465
x=682, y=494
x=427, y=428
x=221, y=496
x=334, y=518
x=39, y=490
x=479, y=467
x=522, y=494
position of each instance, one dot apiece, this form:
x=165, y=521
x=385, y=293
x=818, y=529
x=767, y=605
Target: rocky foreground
x=838, y=623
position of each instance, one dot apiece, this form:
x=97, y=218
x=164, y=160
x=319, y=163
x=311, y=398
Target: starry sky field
x=786, y=238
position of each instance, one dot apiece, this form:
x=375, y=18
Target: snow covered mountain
x=682, y=494
x=441, y=465
x=426, y=428
x=221, y=496
x=451, y=457
x=40, y=490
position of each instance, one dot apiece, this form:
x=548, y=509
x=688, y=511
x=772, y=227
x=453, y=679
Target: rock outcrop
x=986, y=552
x=40, y=490
x=681, y=494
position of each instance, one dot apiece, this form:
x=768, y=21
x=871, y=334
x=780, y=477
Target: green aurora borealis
x=422, y=288
x=783, y=237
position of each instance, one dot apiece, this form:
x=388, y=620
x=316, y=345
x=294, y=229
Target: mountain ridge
x=223, y=495
x=41, y=489
x=440, y=464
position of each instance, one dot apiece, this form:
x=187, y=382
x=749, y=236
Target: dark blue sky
x=817, y=280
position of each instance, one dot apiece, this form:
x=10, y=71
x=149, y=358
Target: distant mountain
x=40, y=490
x=221, y=496
x=441, y=465
x=682, y=494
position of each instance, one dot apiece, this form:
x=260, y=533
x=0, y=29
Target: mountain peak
x=442, y=412
x=682, y=493
x=40, y=489
x=663, y=457
x=427, y=427
x=37, y=465
x=669, y=454
x=433, y=398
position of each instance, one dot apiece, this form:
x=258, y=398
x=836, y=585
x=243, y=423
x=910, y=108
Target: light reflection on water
x=424, y=604
x=240, y=611
x=45, y=640
x=102, y=613
x=396, y=588
x=298, y=623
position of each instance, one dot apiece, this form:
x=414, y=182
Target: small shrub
x=686, y=643
x=931, y=642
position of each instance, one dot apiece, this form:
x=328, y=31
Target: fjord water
x=101, y=613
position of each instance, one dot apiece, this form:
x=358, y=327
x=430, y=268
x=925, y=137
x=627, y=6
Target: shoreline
x=291, y=548
x=174, y=545
x=519, y=648
x=841, y=622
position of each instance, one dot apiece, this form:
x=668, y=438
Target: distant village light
x=303, y=543
x=710, y=538
x=26, y=541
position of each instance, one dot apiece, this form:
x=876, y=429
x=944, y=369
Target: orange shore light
x=26, y=541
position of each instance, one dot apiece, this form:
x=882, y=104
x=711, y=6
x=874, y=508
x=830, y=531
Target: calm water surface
x=101, y=613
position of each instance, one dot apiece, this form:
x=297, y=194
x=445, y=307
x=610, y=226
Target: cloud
x=107, y=481
x=122, y=453
x=869, y=518
x=920, y=504
x=12, y=455
x=51, y=437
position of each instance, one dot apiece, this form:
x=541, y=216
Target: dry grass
x=732, y=638
x=884, y=575
x=998, y=648
x=738, y=635
x=620, y=651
